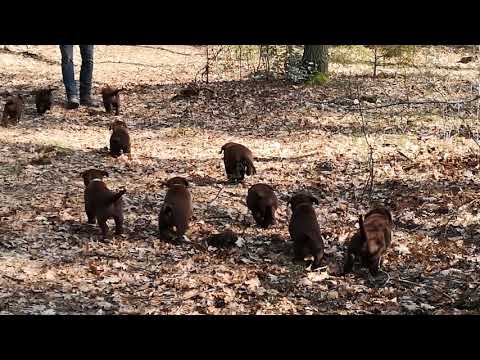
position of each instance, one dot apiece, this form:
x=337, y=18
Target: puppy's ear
x=314, y=199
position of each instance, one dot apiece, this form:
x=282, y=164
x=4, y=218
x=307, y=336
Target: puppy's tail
x=116, y=196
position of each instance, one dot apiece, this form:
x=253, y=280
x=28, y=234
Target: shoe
x=89, y=102
x=72, y=103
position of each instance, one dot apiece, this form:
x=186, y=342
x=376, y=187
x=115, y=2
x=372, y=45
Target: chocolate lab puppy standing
x=13, y=109
x=304, y=229
x=120, y=139
x=262, y=202
x=101, y=203
x=238, y=161
x=111, y=99
x=371, y=241
x=43, y=100
x=176, y=210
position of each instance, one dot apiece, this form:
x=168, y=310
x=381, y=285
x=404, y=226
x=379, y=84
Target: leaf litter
x=52, y=262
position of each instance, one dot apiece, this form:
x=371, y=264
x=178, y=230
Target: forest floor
x=426, y=165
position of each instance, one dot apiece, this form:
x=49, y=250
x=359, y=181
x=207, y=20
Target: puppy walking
x=304, y=229
x=43, y=100
x=238, y=161
x=371, y=241
x=13, y=110
x=176, y=211
x=263, y=203
x=111, y=99
x=120, y=139
x=101, y=203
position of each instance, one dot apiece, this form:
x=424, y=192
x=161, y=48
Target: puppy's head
x=109, y=91
x=106, y=90
x=177, y=180
x=89, y=175
x=117, y=124
x=302, y=198
x=45, y=92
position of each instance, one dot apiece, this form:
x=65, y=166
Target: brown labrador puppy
x=176, y=210
x=13, y=109
x=111, y=99
x=101, y=203
x=226, y=239
x=43, y=100
x=371, y=241
x=304, y=229
x=262, y=202
x=120, y=139
x=238, y=161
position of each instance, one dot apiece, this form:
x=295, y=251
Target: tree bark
x=318, y=54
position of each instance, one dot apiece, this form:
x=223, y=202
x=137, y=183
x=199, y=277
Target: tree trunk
x=318, y=54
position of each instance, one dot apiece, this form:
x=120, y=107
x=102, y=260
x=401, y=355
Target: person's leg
x=86, y=74
x=68, y=74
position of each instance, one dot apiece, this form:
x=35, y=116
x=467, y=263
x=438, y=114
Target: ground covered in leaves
x=426, y=164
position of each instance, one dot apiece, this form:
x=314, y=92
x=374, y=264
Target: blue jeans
x=86, y=51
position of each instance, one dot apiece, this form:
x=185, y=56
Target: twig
x=404, y=102
x=128, y=63
x=405, y=156
x=216, y=197
x=369, y=184
x=425, y=102
x=12, y=278
x=471, y=135
x=426, y=286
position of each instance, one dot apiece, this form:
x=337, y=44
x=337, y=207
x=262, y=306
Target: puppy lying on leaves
x=111, y=99
x=304, y=229
x=238, y=161
x=262, y=202
x=176, y=210
x=101, y=203
x=120, y=139
x=371, y=241
x=13, y=110
x=43, y=100
x=226, y=239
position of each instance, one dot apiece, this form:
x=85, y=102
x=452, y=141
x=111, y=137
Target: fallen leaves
x=51, y=262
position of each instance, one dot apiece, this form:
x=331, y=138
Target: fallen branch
x=425, y=286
